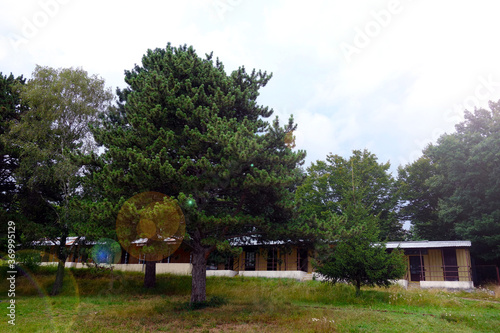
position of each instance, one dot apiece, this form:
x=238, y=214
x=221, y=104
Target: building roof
x=70, y=240
x=427, y=244
x=248, y=240
x=48, y=242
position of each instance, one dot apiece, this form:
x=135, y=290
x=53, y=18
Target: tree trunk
x=61, y=256
x=199, y=275
x=358, y=288
x=150, y=274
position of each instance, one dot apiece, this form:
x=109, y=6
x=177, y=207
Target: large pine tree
x=186, y=129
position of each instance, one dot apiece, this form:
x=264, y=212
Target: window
x=229, y=264
x=417, y=271
x=272, y=259
x=249, y=261
x=302, y=260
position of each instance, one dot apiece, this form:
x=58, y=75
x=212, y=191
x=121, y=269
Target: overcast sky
x=388, y=76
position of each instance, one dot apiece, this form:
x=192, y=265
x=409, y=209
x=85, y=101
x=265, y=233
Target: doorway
x=450, y=266
x=417, y=272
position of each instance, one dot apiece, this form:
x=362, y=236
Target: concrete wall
x=402, y=283
x=297, y=275
x=447, y=284
x=185, y=269
x=178, y=269
x=221, y=272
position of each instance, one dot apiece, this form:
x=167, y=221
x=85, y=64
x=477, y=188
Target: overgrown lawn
x=117, y=302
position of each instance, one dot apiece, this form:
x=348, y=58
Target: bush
x=29, y=259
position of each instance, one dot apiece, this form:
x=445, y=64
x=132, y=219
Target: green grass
x=101, y=302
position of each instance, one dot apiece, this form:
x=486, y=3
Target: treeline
x=73, y=154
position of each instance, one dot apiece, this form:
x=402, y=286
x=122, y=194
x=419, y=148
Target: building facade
x=436, y=264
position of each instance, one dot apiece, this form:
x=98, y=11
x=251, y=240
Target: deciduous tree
x=11, y=109
x=420, y=203
x=328, y=188
x=465, y=178
x=50, y=136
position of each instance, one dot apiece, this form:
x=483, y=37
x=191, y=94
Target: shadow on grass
x=212, y=302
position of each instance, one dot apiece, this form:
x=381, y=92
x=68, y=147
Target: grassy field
x=105, y=302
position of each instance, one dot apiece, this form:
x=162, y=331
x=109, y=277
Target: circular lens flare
x=150, y=225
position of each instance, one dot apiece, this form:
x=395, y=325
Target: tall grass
x=94, y=301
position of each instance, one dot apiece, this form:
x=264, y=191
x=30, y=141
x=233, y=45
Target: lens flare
x=29, y=285
x=150, y=225
x=106, y=251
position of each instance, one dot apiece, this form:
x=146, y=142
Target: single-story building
x=431, y=264
x=436, y=264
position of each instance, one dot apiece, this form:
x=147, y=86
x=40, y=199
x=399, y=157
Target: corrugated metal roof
x=71, y=240
x=47, y=242
x=427, y=244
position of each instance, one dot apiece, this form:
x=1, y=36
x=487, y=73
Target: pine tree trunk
x=150, y=274
x=61, y=256
x=199, y=275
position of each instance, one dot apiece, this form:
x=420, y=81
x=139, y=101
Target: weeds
x=117, y=302
x=212, y=302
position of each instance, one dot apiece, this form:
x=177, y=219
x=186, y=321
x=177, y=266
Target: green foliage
x=11, y=110
x=356, y=256
x=185, y=128
x=50, y=136
x=462, y=184
x=329, y=187
x=421, y=203
x=29, y=259
x=353, y=199
x=106, y=251
x=274, y=305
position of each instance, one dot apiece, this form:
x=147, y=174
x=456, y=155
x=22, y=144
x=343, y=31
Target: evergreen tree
x=186, y=129
x=351, y=250
x=356, y=256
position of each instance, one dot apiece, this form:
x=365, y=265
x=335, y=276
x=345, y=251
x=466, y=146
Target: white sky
x=389, y=76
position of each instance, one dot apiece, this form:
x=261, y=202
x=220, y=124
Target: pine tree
x=186, y=129
x=351, y=250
